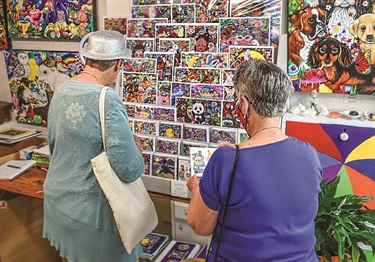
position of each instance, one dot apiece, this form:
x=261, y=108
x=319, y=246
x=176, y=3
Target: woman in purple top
x=271, y=211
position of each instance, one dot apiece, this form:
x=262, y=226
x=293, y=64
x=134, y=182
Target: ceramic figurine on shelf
x=365, y=116
x=314, y=102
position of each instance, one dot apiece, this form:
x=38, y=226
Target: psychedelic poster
x=330, y=46
x=33, y=77
x=56, y=19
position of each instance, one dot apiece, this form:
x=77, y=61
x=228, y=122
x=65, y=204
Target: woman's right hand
x=193, y=182
x=138, y=142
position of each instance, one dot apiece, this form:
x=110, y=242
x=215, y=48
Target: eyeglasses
x=122, y=64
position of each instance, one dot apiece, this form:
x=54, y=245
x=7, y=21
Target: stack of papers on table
x=14, y=168
x=12, y=135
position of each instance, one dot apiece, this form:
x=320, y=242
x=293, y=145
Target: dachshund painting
x=340, y=70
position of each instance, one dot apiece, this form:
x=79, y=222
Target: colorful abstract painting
x=56, y=19
x=33, y=77
x=332, y=46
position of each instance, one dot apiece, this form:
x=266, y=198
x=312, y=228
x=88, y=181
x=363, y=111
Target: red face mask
x=241, y=116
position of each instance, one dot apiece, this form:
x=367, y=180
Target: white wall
x=334, y=102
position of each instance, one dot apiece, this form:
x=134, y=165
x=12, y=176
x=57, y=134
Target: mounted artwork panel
x=33, y=77
x=4, y=43
x=332, y=46
x=56, y=19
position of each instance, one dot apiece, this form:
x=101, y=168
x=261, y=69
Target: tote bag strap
x=102, y=114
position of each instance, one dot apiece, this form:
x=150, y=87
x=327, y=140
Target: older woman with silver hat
x=78, y=220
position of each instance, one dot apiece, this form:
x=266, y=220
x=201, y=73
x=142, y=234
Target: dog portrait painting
x=323, y=27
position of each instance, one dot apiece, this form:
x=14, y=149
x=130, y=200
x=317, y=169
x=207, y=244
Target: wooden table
x=29, y=183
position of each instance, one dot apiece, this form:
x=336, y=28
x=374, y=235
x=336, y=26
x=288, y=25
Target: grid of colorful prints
x=139, y=46
x=115, y=23
x=204, y=59
x=223, y=135
x=130, y=108
x=164, y=64
x=164, y=113
x=180, y=90
x=152, y=11
x=163, y=93
x=184, y=168
x=140, y=65
x=265, y=8
x=196, y=133
x=143, y=27
x=199, y=158
x=242, y=135
x=229, y=116
x=147, y=157
x=199, y=111
x=146, y=127
x=139, y=87
x=170, y=129
x=164, y=165
x=337, y=26
x=207, y=91
x=148, y=142
x=4, y=43
x=52, y=19
x=198, y=75
x=167, y=146
x=249, y=31
x=210, y=11
x=183, y=13
x=185, y=147
x=240, y=54
x=151, y=2
x=33, y=77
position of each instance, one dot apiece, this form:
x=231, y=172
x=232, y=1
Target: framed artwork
x=118, y=24
x=52, y=19
x=199, y=111
x=4, y=43
x=33, y=77
x=329, y=50
x=139, y=87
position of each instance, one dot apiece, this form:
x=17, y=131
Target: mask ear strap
x=246, y=107
x=81, y=45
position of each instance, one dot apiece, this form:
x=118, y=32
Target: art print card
x=241, y=54
x=131, y=124
x=210, y=11
x=230, y=118
x=152, y=11
x=4, y=42
x=170, y=30
x=139, y=46
x=139, y=87
x=147, y=157
x=203, y=37
x=151, y=244
x=198, y=75
x=143, y=27
x=151, y=2
x=199, y=111
x=242, y=135
x=227, y=77
x=168, y=146
x=140, y=65
x=265, y=8
x=204, y=60
x=223, y=135
x=249, y=31
x=183, y=13
x=175, y=46
x=164, y=64
x=184, y=168
x=185, y=147
x=118, y=24
x=163, y=94
x=170, y=129
x=33, y=77
x=199, y=158
x=53, y=19
x=196, y=133
x=180, y=90
x=144, y=111
x=130, y=109
x=148, y=142
x=146, y=127
x=164, y=165
x=164, y=113
x=207, y=91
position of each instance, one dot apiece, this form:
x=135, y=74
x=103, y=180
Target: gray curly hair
x=265, y=85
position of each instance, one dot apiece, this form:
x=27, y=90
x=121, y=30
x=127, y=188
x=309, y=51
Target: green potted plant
x=341, y=223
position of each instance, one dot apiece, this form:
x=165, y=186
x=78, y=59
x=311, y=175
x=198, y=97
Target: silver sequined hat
x=103, y=45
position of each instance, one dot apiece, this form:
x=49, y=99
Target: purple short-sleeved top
x=273, y=204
